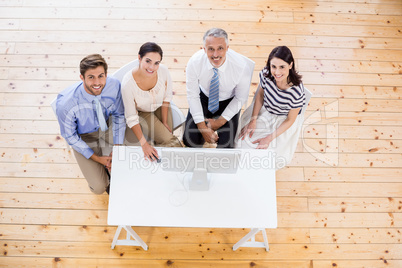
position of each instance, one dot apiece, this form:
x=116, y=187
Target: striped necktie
x=213, y=101
x=99, y=113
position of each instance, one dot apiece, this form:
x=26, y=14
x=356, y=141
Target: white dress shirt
x=234, y=81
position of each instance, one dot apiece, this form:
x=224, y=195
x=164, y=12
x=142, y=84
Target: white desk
x=142, y=193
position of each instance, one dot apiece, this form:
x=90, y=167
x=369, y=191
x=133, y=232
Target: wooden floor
x=339, y=202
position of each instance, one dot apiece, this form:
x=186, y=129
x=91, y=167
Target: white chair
x=308, y=97
x=177, y=114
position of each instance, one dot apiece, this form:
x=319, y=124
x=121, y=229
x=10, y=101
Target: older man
x=218, y=84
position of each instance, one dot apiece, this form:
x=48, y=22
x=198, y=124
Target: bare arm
x=250, y=127
x=149, y=151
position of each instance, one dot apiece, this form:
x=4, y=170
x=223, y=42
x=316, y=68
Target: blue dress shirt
x=76, y=113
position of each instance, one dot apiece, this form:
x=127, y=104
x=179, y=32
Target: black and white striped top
x=278, y=101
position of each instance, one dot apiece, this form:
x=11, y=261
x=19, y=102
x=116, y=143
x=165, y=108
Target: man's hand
x=215, y=124
x=106, y=161
x=209, y=135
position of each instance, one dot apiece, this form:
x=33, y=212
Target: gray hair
x=216, y=32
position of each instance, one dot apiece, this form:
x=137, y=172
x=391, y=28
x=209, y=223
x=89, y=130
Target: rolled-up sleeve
x=119, y=122
x=68, y=129
x=241, y=92
x=193, y=92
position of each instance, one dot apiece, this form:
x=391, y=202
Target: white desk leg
x=136, y=237
x=128, y=242
x=251, y=236
x=116, y=236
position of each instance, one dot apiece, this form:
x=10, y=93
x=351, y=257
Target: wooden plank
x=149, y=15
x=35, y=262
x=32, y=126
x=285, y=219
x=290, y=174
x=154, y=234
x=339, y=189
x=246, y=22
x=345, y=92
x=54, y=216
x=359, y=263
x=45, y=185
x=348, y=42
x=35, y=155
x=351, y=79
x=349, y=66
x=320, y=159
x=54, y=201
x=185, y=36
x=40, y=170
x=200, y=251
x=175, y=50
x=326, y=7
x=340, y=220
x=15, y=3
x=32, y=141
x=348, y=204
x=349, y=146
x=9, y=24
x=19, y=112
x=346, y=19
x=370, y=146
x=360, y=174
x=7, y=47
x=355, y=235
x=351, y=132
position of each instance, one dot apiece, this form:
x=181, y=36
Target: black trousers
x=192, y=137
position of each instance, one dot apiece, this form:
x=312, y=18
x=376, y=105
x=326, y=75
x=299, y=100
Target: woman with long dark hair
x=274, y=119
x=147, y=92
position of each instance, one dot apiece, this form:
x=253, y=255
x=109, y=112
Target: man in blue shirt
x=83, y=111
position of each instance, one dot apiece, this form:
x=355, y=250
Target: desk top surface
x=143, y=193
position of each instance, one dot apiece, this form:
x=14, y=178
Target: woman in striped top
x=274, y=118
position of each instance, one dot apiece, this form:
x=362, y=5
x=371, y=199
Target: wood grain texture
x=340, y=199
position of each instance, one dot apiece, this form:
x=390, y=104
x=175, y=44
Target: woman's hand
x=150, y=152
x=263, y=143
x=248, y=129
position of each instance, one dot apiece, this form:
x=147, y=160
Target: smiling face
x=280, y=70
x=94, y=80
x=149, y=63
x=216, y=49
